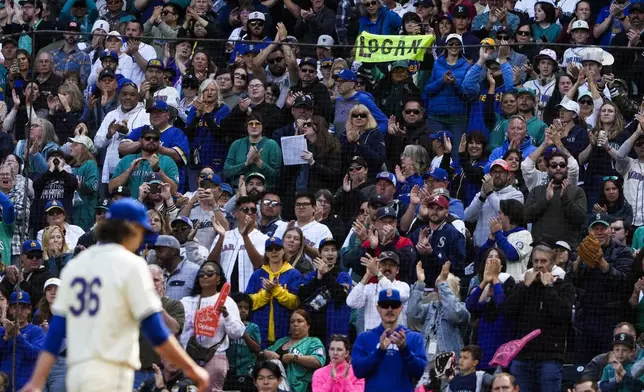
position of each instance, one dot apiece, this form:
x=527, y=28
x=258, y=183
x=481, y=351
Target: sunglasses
x=308, y=71
x=256, y=23
x=610, y=178
x=151, y=139
x=254, y=123
x=370, y=3
x=412, y=111
x=246, y=210
x=556, y=165
x=240, y=76
x=453, y=45
x=389, y=305
x=359, y=115
x=271, y=203
x=273, y=249
x=275, y=60
x=586, y=102
x=355, y=168
x=209, y=274
x=34, y=256
x=302, y=205
x=524, y=33
x=307, y=124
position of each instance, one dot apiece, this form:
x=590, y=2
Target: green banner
x=373, y=48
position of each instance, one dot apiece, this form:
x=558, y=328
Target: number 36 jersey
x=104, y=294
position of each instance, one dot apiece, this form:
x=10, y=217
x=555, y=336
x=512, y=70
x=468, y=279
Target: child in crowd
x=242, y=352
x=468, y=379
x=617, y=374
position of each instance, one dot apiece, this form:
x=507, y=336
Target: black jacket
x=548, y=308
x=33, y=283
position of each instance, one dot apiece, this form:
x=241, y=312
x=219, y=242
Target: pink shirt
x=322, y=381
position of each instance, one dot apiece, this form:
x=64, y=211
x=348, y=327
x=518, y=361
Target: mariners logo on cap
x=328, y=239
x=273, y=239
x=54, y=203
x=598, y=216
x=20, y=293
x=155, y=63
x=104, y=202
x=33, y=243
x=120, y=188
x=389, y=293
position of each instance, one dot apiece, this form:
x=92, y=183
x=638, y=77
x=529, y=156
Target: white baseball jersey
x=104, y=294
x=521, y=241
x=633, y=172
x=233, y=251
x=314, y=232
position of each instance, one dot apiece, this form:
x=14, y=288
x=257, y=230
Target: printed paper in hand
x=292, y=148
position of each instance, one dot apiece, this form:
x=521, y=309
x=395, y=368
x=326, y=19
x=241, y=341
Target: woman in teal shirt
x=545, y=27
x=85, y=168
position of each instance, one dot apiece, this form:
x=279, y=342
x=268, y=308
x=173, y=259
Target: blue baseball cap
x=20, y=297
x=158, y=105
x=385, y=212
x=346, y=74
x=111, y=54
x=154, y=63
x=129, y=210
x=51, y=204
x=437, y=174
x=328, y=241
x=183, y=219
x=125, y=82
x=440, y=134
x=31, y=246
x=389, y=295
x=387, y=176
x=273, y=241
x=212, y=178
x=226, y=188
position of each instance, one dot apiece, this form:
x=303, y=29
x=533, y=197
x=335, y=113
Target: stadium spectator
x=362, y=137
x=593, y=370
x=56, y=253
x=242, y=352
x=181, y=273
x=339, y=372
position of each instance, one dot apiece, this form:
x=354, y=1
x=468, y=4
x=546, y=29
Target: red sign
x=207, y=319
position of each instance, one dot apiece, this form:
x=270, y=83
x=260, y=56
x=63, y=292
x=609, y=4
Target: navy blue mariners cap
x=158, y=105
x=183, y=219
x=328, y=241
x=154, y=178
x=104, y=204
x=602, y=218
x=387, y=176
x=437, y=173
x=55, y=152
x=154, y=63
x=441, y=134
x=106, y=73
x=385, y=212
x=273, y=242
x=389, y=295
x=31, y=246
x=303, y=100
x=122, y=191
x=309, y=61
x=129, y=210
x=215, y=179
x=226, y=188
x=109, y=54
x=346, y=74
x=377, y=201
x=53, y=204
x=621, y=338
x=20, y=297
x=189, y=80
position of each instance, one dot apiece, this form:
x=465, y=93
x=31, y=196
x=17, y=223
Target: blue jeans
x=543, y=376
x=457, y=128
x=141, y=376
x=56, y=379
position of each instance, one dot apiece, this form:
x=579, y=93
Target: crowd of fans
x=444, y=205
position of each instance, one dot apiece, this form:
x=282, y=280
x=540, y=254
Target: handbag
x=196, y=351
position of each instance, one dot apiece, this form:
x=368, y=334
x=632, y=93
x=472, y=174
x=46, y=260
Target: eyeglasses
x=610, y=178
x=524, y=33
x=302, y=205
x=370, y=3
x=246, y=210
x=308, y=70
x=34, y=256
x=166, y=13
x=271, y=203
x=307, y=124
x=254, y=86
x=412, y=111
x=254, y=123
x=151, y=139
x=240, y=76
x=585, y=102
x=558, y=165
x=256, y=23
x=389, y=304
x=209, y=274
x=275, y=60
x=355, y=168
x=359, y=115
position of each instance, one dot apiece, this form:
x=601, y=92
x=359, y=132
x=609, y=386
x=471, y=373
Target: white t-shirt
x=314, y=232
x=104, y=294
x=233, y=251
x=205, y=233
x=521, y=241
x=72, y=234
x=230, y=327
x=148, y=54
x=283, y=82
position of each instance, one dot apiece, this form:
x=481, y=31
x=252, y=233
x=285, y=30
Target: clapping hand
x=442, y=277
x=370, y=263
x=420, y=272
x=321, y=266
x=423, y=247
x=268, y=285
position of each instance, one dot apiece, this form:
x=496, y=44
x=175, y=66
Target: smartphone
x=155, y=188
x=243, y=95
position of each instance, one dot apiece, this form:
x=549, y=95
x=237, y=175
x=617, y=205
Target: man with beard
x=130, y=114
x=154, y=87
x=497, y=186
x=133, y=169
x=412, y=130
x=354, y=191
x=184, y=231
x=380, y=274
x=180, y=273
x=309, y=84
x=70, y=58
x=603, y=273
x=627, y=60
x=47, y=79
x=271, y=222
x=282, y=65
x=240, y=251
x=526, y=103
x=113, y=58
x=255, y=31
x=140, y=52
x=558, y=208
x=252, y=186
x=324, y=294
x=302, y=109
x=32, y=16
x=173, y=142
x=439, y=242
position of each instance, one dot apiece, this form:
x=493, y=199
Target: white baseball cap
x=580, y=24
x=597, y=55
x=454, y=36
x=51, y=281
x=547, y=54
x=257, y=16
x=114, y=33
x=102, y=25
x=325, y=41
x=563, y=244
x=570, y=106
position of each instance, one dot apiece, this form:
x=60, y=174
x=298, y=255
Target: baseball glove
x=590, y=251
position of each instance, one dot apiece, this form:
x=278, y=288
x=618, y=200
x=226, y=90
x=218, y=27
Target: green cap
x=400, y=64
x=523, y=90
